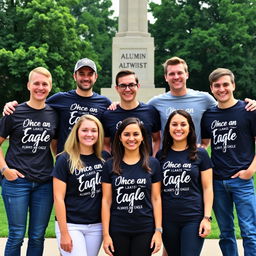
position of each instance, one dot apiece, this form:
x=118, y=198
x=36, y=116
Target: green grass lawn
x=50, y=229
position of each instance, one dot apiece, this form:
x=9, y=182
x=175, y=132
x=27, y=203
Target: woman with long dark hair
x=77, y=189
x=187, y=193
x=131, y=203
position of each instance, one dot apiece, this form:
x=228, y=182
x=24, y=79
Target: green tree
x=208, y=34
x=97, y=16
x=39, y=33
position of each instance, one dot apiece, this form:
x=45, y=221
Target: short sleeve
x=204, y=129
x=205, y=161
x=156, y=119
x=156, y=170
x=61, y=169
x=6, y=125
x=106, y=172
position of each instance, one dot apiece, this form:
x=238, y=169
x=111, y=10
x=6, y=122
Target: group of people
x=134, y=175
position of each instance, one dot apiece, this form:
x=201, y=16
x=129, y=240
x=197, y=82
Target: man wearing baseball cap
x=75, y=103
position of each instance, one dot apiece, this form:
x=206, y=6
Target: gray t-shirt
x=194, y=102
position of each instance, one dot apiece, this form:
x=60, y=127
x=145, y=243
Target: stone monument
x=133, y=48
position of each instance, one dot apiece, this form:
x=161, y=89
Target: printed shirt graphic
x=70, y=106
x=131, y=209
x=232, y=133
x=30, y=132
x=83, y=192
x=194, y=102
x=146, y=113
x=182, y=196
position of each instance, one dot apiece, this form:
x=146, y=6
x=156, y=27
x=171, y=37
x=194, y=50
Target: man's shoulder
x=203, y=94
x=97, y=96
x=61, y=95
x=159, y=97
x=146, y=107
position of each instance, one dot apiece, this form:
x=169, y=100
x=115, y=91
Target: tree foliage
x=208, y=34
x=96, y=15
x=53, y=34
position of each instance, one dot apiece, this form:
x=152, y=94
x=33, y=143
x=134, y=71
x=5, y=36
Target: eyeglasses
x=131, y=86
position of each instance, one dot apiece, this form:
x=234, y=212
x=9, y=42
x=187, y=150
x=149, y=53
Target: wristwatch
x=3, y=169
x=159, y=229
x=209, y=218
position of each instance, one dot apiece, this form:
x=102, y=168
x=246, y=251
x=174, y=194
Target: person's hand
x=66, y=243
x=9, y=107
x=113, y=105
x=156, y=242
x=244, y=174
x=108, y=245
x=204, y=228
x=12, y=174
x=251, y=104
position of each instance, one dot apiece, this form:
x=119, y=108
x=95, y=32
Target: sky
x=115, y=7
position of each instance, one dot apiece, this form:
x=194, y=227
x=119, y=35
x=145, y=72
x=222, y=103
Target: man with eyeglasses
x=127, y=86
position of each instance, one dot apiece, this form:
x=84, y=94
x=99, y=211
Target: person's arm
x=105, y=216
x=156, y=241
x=59, y=191
x=9, y=174
x=113, y=105
x=205, y=143
x=107, y=144
x=205, y=225
x=54, y=147
x=251, y=104
x=9, y=107
x=248, y=173
x=156, y=139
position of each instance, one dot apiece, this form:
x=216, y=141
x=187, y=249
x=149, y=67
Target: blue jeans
x=20, y=196
x=241, y=193
x=181, y=238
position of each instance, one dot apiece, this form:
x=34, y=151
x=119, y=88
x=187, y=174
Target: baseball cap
x=85, y=62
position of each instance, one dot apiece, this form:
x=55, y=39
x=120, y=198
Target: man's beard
x=82, y=88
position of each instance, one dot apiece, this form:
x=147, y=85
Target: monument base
x=134, y=53
x=143, y=94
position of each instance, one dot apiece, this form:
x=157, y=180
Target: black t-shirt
x=83, y=191
x=146, y=113
x=30, y=132
x=182, y=195
x=232, y=132
x=131, y=209
x=70, y=106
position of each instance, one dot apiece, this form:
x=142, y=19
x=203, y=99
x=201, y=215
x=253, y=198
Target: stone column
x=133, y=48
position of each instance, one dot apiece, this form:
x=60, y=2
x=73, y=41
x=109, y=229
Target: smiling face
x=176, y=77
x=85, y=78
x=127, y=88
x=222, y=89
x=179, y=128
x=87, y=134
x=39, y=86
x=131, y=137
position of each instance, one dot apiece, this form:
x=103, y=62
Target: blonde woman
x=27, y=166
x=77, y=189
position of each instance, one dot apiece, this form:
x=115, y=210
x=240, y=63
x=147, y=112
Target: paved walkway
x=211, y=248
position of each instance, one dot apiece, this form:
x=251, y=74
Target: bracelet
x=3, y=169
x=159, y=229
x=209, y=218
